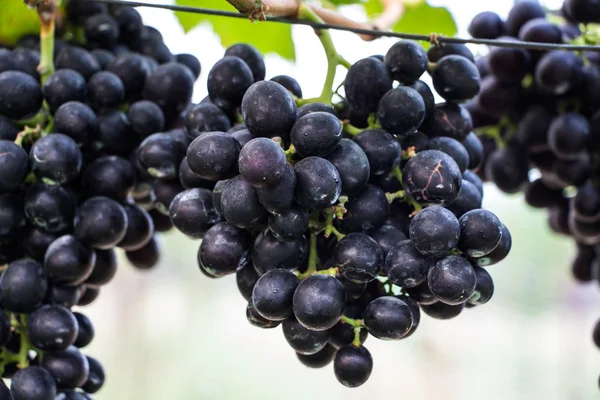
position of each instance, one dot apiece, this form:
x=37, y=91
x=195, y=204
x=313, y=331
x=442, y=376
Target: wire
x=400, y=35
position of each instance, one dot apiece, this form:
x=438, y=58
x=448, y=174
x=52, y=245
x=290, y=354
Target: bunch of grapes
x=78, y=179
x=540, y=113
x=342, y=220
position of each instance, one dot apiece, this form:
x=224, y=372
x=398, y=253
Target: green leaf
x=267, y=37
x=16, y=20
x=419, y=18
x=345, y=2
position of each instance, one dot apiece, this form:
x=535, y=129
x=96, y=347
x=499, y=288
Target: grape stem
x=395, y=195
x=333, y=57
x=46, y=10
x=350, y=129
x=312, y=257
x=25, y=344
x=358, y=325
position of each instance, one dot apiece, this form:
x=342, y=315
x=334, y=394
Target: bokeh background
x=173, y=334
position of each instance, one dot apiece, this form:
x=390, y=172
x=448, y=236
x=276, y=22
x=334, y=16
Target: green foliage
x=419, y=18
x=16, y=20
x=266, y=37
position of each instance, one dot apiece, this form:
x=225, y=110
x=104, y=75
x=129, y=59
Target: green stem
x=358, y=325
x=289, y=153
x=333, y=57
x=312, y=257
x=331, y=272
x=46, y=67
x=25, y=344
x=396, y=195
x=330, y=229
x=351, y=129
x=397, y=172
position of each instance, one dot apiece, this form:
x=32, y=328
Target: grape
x=434, y=231
x=255, y=318
x=456, y=78
x=246, y=278
x=140, y=228
x=382, y=149
x=8, y=130
x=115, y=134
x=101, y=30
x=583, y=11
x=100, y=222
x=76, y=120
x=319, y=359
x=366, y=83
x=319, y=302
x=520, y=13
x=352, y=164
x=480, y=233
x=268, y=253
x=568, y=135
x=11, y=214
x=133, y=71
x=273, y=293
x=401, y=111
x=95, y=378
x=289, y=225
x=447, y=119
x=20, y=95
x=388, y=318
x=367, y=211
x=13, y=166
x=475, y=150
x=540, y=30
x=205, y=118
x=130, y=22
x=145, y=257
x=7, y=61
x=103, y=57
x=507, y=168
x=453, y=148
x=68, y=261
x=161, y=155
x=318, y=183
x=52, y=327
x=51, y=208
x=170, y=87
x=509, y=65
x=240, y=204
x=109, y=176
x=268, y=109
x=432, y=176
x=243, y=135
x=105, y=91
x=426, y=95
x=500, y=252
x=342, y=335
x=224, y=249
x=442, y=311
x=452, y=280
x=214, y=156
x=251, y=57
x=303, y=340
x=292, y=85
x=191, y=62
x=487, y=25
x=469, y=198
x=358, y=257
x=69, y=367
x=228, y=81
x=387, y=236
x=32, y=383
x=90, y=294
x=316, y=134
x=262, y=162
x=405, y=266
x=435, y=53
x=484, y=289
x=352, y=366
x=406, y=61
x=23, y=286
x=538, y=195
x=558, y=72
x=192, y=212
x=105, y=268
x=77, y=59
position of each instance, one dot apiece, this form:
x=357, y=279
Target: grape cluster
x=84, y=169
x=339, y=220
x=538, y=116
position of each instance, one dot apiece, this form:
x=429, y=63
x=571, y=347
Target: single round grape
x=161, y=155
x=170, y=86
x=109, y=176
x=89, y=295
x=101, y=30
x=133, y=70
x=509, y=65
x=319, y=302
x=558, y=72
x=475, y=151
x=192, y=212
x=290, y=84
x=388, y=236
x=382, y=149
x=273, y=294
x=426, y=94
x=358, y=257
x=366, y=82
x=56, y=159
x=352, y=366
x=68, y=261
x=240, y=203
x=388, y=318
x=20, y=95
x=191, y=62
x=401, y=111
x=115, y=135
x=405, y=266
x=224, y=249
x=480, y=233
x=146, y=257
x=96, y=376
x=228, y=81
x=100, y=222
x=105, y=91
x=52, y=327
x=453, y=148
x=436, y=53
x=484, y=289
x=105, y=268
x=520, y=13
x=569, y=135
x=500, y=252
x=69, y=367
x=367, y=211
x=448, y=119
x=66, y=296
x=246, y=278
x=583, y=11
x=190, y=180
x=316, y=134
x=262, y=162
x=203, y=118
x=13, y=166
x=268, y=253
x=301, y=339
x=487, y=25
x=456, y=78
x=539, y=195
x=353, y=166
x=508, y=169
x=140, y=228
x=406, y=60
x=268, y=109
x=433, y=177
x=320, y=359
x=540, y=30
x=145, y=118
x=318, y=183
x=469, y=198
x=76, y=120
x=103, y=57
x=214, y=156
x=434, y=231
x=257, y=320
x=63, y=86
x=452, y=280
x=443, y=311
x=23, y=286
x=289, y=225
x=279, y=198
x=50, y=207
x=251, y=57
x=32, y=383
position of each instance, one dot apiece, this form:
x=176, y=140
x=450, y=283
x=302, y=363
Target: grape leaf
x=16, y=20
x=267, y=37
x=419, y=18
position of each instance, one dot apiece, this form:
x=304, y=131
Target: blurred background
x=173, y=334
